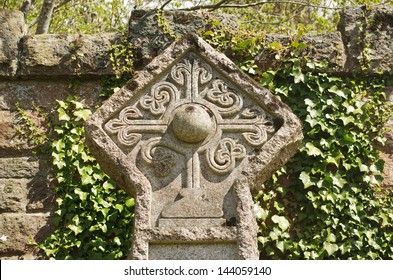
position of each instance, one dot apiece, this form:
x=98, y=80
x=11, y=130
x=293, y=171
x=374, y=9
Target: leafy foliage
x=93, y=218
x=29, y=129
x=282, y=16
x=325, y=203
x=78, y=16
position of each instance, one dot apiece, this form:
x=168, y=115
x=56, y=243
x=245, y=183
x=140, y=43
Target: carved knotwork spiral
x=162, y=158
x=222, y=159
x=227, y=102
x=192, y=83
x=121, y=126
x=202, y=73
x=161, y=94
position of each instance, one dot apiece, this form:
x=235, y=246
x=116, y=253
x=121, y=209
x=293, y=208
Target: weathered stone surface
x=387, y=182
x=40, y=197
x=67, y=55
x=13, y=195
x=197, y=251
x=320, y=48
x=326, y=48
x=44, y=93
x=237, y=132
x=388, y=148
x=389, y=125
x=378, y=50
x=25, y=195
x=368, y=37
x=11, y=138
x=12, y=28
x=20, y=167
x=351, y=26
x=150, y=39
x=7, y=129
x=21, y=230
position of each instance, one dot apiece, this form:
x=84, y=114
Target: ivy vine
x=93, y=218
x=325, y=203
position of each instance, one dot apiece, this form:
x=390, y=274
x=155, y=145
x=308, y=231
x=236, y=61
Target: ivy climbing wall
x=38, y=71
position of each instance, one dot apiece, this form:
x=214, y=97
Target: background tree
x=323, y=204
x=72, y=16
x=93, y=16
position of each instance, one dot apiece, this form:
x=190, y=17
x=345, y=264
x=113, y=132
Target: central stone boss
x=188, y=133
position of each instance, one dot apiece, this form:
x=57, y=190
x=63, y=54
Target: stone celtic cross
x=190, y=137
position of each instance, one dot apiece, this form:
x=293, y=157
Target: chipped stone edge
x=261, y=165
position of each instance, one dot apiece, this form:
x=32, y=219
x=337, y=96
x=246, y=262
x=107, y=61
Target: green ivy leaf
x=279, y=207
x=331, y=238
x=130, y=202
x=119, y=207
x=307, y=182
x=280, y=246
x=276, y=46
x=63, y=115
x=260, y=213
x=338, y=180
x=334, y=89
x=103, y=227
x=117, y=241
x=76, y=229
x=282, y=222
x=82, y=114
x=330, y=247
x=298, y=77
x=208, y=33
x=312, y=150
x=59, y=145
x=82, y=195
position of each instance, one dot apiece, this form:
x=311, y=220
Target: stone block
x=388, y=148
x=198, y=251
x=26, y=195
x=11, y=139
x=12, y=28
x=368, y=37
x=327, y=48
x=19, y=167
x=22, y=230
x=13, y=195
x=190, y=137
x=150, y=39
x=7, y=129
x=387, y=182
x=44, y=93
x=67, y=55
x=40, y=197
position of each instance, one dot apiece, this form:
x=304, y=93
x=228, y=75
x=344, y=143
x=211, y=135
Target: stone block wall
x=37, y=70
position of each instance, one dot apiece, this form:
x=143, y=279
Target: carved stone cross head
x=190, y=136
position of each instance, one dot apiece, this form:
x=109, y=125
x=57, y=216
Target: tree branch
x=37, y=19
x=61, y=4
x=26, y=6
x=166, y=3
x=219, y=4
x=33, y=22
x=243, y=6
x=277, y=22
x=45, y=16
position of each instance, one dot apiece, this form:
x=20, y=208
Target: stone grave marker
x=191, y=138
